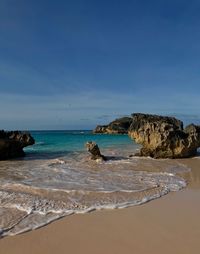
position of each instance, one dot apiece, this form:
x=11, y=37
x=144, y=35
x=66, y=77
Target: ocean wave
x=41, y=143
x=31, y=207
x=36, y=192
x=57, y=162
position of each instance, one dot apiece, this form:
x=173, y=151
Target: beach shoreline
x=166, y=225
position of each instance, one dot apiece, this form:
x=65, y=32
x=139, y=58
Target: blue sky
x=75, y=64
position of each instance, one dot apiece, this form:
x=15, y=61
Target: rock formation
x=118, y=126
x=93, y=148
x=164, y=137
x=13, y=142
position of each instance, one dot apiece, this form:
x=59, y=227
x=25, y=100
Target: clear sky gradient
x=74, y=64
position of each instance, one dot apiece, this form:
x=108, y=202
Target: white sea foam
x=39, y=143
x=36, y=192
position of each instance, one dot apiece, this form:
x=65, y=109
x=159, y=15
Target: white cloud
x=84, y=109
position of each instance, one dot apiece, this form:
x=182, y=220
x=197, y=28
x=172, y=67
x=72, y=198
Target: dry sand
x=168, y=225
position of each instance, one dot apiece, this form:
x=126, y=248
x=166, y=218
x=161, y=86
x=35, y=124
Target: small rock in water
x=93, y=148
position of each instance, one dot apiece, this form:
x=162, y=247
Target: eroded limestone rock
x=118, y=126
x=13, y=142
x=164, y=137
x=93, y=148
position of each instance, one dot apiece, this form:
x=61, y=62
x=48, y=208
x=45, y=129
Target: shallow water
x=57, y=178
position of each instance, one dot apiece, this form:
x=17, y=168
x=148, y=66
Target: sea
x=57, y=178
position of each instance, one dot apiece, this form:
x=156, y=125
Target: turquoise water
x=57, y=178
x=55, y=143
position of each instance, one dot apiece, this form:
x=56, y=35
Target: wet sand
x=167, y=225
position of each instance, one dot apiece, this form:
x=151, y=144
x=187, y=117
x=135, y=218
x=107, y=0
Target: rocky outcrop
x=13, y=142
x=93, y=148
x=164, y=137
x=102, y=129
x=118, y=126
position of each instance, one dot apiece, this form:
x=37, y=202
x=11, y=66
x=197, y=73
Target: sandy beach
x=100, y=127
x=167, y=225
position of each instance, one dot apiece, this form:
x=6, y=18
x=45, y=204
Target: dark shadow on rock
x=13, y=142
